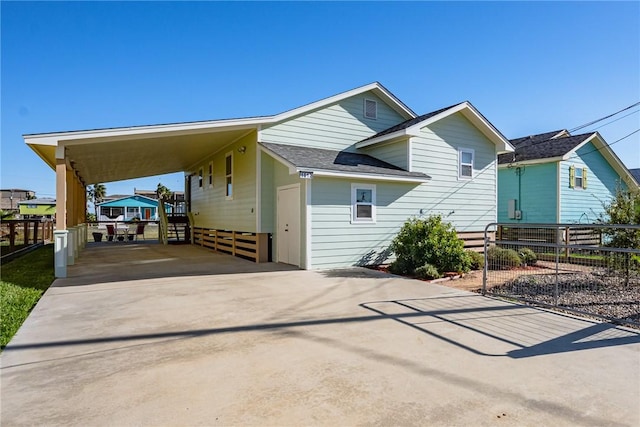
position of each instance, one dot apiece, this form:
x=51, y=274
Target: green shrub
x=528, y=256
x=477, y=260
x=500, y=258
x=428, y=272
x=428, y=241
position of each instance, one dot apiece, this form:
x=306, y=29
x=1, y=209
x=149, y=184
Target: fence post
x=12, y=236
x=567, y=241
x=555, y=286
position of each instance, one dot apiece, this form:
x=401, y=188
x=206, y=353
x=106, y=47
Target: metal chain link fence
x=588, y=269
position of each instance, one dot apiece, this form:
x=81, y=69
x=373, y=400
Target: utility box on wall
x=511, y=208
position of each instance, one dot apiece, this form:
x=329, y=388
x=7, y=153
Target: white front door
x=288, y=238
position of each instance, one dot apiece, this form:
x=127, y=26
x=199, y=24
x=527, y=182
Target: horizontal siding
x=395, y=153
x=468, y=204
x=538, y=193
x=211, y=209
x=584, y=206
x=336, y=127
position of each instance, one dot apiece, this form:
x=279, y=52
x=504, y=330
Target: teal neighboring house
x=128, y=208
x=556, y=177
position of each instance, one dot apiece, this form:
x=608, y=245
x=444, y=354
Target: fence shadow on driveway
x=501, y=328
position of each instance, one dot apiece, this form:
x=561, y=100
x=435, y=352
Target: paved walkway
x=177, y=335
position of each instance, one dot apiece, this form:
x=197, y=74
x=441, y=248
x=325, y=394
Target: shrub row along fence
x=18, y=234
x=588, y=269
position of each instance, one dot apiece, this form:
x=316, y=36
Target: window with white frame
x=228, y=173
x=200, y=178
x=363, y=203
x=210, y=176
x=578, y=178
x=465, y=163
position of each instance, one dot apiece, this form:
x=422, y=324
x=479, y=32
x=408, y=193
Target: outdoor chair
x=140, y=231
x=111, y=232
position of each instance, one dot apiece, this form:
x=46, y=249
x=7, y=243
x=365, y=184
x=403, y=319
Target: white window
x=578, y=178
x=465, y=163
x=200, y=178
x=370, y=109
x=228, y=173
x=363, y=203
x=210, y=174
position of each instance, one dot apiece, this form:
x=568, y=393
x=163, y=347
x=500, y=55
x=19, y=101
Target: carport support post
x=61, y=250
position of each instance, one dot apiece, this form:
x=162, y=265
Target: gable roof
x=339, y=163
x=131, y=201
x=412, y=126
x=538, y=147
x=561, y=146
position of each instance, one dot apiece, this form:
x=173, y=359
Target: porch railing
x=16, y=234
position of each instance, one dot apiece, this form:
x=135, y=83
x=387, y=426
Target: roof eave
x=529, y=162
x=362, y=175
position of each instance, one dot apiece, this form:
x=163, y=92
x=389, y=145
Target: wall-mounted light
x=242, y=149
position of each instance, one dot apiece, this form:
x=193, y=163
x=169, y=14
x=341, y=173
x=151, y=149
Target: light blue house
x=328, y=184
x=333, y=181
x=556, y=177
x=128, y=208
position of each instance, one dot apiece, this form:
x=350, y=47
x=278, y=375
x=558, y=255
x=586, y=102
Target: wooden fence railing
x=474, y=240
x=19, y=233
x=254, y=246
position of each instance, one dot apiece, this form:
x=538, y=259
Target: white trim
x=363, y=186
x=201, y=177
x=468, y=110
x=410, y=143
x=258, y=210
x=308, y=229
x=559, y=198
x=570, y=154
x=332, y=174
x=285, y=187
x=529, y=162
x=461, y=151
x=224, y=124
x=226, y=184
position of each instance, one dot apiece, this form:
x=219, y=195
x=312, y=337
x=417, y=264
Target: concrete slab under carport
x=252, y=344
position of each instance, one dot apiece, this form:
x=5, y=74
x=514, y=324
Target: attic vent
x=370, y=109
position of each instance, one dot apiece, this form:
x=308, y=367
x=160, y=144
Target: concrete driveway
x=177, y=335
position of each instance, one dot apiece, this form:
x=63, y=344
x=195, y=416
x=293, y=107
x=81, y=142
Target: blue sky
x=528, y=67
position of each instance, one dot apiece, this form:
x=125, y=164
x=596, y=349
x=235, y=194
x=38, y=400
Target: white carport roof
x=106, y=155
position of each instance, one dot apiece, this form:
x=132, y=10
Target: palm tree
x=96, y=194
x=163, y=192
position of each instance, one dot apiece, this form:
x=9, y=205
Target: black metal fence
x=588, y=269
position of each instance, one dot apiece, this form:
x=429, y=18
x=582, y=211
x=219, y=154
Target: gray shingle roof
x=40, y=201
x=339, y=161
x=636, y=174
x=410, y=122
x=537, y=147
x=534, y=139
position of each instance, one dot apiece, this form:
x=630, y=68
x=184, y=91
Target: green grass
x=22, y=283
